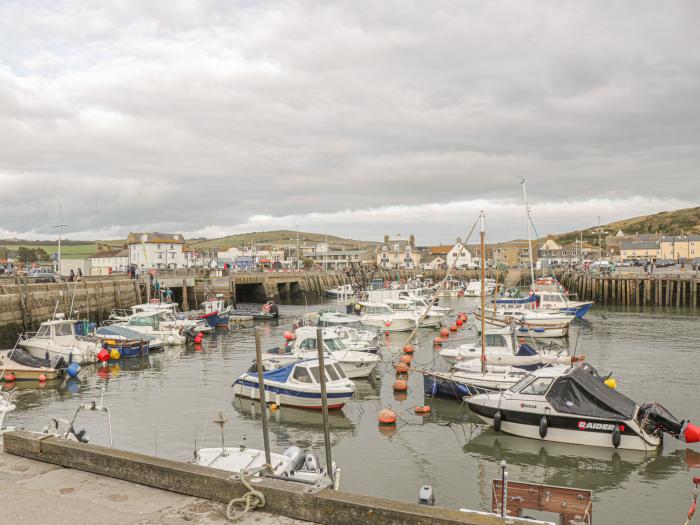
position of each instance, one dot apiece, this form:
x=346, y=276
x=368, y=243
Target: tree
x=308, y=263
x=25, y=254
x=41, y=254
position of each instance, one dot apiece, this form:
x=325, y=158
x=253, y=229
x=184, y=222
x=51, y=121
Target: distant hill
x=669, y=222
x=277, y=237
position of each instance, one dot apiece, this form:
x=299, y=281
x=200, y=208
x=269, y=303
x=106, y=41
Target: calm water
x=162, y=403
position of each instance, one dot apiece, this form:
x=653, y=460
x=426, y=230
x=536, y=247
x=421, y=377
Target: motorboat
x=544, y=300
x=574, y=404
x=58, y=338
x=179, y=319
x=343, y=292
x=265, y=312
x=552, y=294
x=214, y=312
x=428, y=318
x=160, y=324
x=297, y=384
x=23, y=366
x=381, y=316
x=117, y=332
x=500, y=372
x=357, y=340
x=450, y=288
x=348, y=328
x=498, y=341
x=473, y=288
x=421, y=302
x=304, y=346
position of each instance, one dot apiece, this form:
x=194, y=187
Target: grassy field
x=76, y=251
x=280, y=237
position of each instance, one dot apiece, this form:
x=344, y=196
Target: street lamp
x=60, y=227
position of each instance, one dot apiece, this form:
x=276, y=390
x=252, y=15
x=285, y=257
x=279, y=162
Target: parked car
x=665, y=263
x=41, y=275
x=694, y=263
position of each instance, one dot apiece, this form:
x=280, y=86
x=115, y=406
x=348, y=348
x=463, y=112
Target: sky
x=349, y=118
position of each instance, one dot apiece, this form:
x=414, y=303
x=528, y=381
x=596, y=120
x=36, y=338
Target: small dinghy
x=298, y=385
x=575, y=405
x=292, y=465
x=23, y=366
x=266, y=312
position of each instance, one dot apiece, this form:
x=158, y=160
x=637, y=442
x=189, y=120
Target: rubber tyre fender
x=497, y=420
x=544, y=426
x=616, y=436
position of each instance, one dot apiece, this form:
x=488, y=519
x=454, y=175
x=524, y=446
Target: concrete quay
x=36, y=492
x=139, y=475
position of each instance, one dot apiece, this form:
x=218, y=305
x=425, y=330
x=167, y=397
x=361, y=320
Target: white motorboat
x=179, y=319
x=298, y=385
x=343, y=292
x=498, y=341
x=57, y=338
x=357, y=340
x=432, y=318
x=574, y=405
x=449, y=288
x=473, y=288
x=552, y=295
x=353, y=363
x=381, y=316
x=422, y=302
x=161, y=324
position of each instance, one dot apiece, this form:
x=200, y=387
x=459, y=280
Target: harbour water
x=165, y=404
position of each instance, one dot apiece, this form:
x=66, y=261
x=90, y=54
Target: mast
x=483, y=295
x=60, y=226
x=528, y=219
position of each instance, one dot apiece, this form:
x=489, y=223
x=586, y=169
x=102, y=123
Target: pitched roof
x=440, y=250
x=115, y=252
x=639, y=245
x=165, y=238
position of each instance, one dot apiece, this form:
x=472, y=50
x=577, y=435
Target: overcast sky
x=354, y=118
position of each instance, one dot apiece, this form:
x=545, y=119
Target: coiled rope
x=251, y=500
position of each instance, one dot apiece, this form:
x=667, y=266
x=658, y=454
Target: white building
x=432, y=262
x=159, y=250
x=108, y=259
x=460, y=257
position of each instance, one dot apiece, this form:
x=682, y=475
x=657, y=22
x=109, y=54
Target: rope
x=248, y=502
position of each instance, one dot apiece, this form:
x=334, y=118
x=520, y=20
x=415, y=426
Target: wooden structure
x=574, y=506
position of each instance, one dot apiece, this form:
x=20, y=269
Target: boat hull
x=438, y=386
x=127, y=349
x=563, y=429
x=52, y=352
x=282, y=394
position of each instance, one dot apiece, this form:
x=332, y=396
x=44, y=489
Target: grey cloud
x=190, y=115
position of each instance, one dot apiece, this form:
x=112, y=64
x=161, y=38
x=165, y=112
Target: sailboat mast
x=483, y=296
x=529, y=233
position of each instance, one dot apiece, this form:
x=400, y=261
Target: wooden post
x=185, y=302
x=668, y=292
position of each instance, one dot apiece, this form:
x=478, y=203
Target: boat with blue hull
x=126, y=347
x=215, y=313
x=298, y=385
x=117, y=332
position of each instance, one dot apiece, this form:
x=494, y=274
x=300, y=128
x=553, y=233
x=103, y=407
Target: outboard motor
x=312, y=464
x=426, y=496
x=297, y=458
x=655, y=419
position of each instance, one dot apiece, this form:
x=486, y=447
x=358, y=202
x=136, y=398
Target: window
x=301, y=374
x=44, y=332
x=538, y=387
x=64, y=329
x=340, y=371
x=314, y=372
x=159, y=246
x=517, y=386
x=334, y=344
x=332, y=373
x=308, y=344
x=159, y=255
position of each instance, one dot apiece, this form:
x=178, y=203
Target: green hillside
x=278, y=237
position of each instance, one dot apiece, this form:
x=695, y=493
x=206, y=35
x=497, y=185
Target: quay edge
x=282, y=498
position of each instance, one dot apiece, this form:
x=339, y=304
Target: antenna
x=60, y=226
x=221, y=420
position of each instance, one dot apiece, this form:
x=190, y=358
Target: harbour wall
x=294, y=500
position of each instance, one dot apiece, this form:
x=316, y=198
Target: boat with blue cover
x=214, y=312
x=123, y=333
x=298, y=384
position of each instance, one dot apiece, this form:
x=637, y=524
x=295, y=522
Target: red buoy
x=401, y=368
x=400, y=385
x=459, y=321
x=288, y=335
x=437, y=342
x=103, y=355
x=200, y=334
x=42, y=378
x=386, y=416
x=444, y=332
x=423, y=410
x=408, y=349
x=197, y=340
x=9, y=377
x=691, y=434
x=387, y=323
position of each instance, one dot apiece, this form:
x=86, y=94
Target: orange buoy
x=408, y=349
x=401, y=368
x=42, y=378
x=406, y=358
x=386, y=416
x=400, y=385
x=453, y=328
x=423, y=410
x=459, y=321
x=9, y=377
x=444, y=332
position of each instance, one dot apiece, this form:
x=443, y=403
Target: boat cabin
x=57, y=329
x=152, y=319
x=400, y=305
x=376, y=309
x=306, y=372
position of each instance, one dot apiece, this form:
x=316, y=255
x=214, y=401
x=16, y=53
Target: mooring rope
x=251, y=500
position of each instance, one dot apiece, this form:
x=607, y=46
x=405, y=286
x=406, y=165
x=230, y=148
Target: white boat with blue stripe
x=298, y=385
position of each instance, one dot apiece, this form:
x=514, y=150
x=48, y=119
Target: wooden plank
x=545, y=498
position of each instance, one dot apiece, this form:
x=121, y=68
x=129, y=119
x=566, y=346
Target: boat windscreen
x=583, y=394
